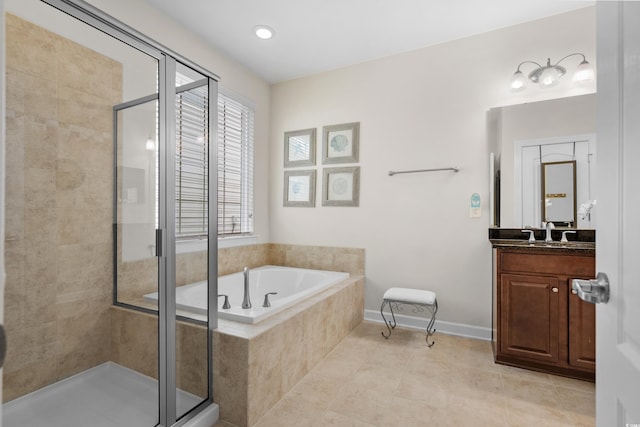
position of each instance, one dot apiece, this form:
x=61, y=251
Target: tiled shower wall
x=58, y=206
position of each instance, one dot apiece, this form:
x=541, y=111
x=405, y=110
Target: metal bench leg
x=390, y=326
x=430, y=329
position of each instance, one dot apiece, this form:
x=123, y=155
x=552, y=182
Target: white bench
x=419, y=299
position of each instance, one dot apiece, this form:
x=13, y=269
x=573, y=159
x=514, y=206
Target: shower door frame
x=167, y=60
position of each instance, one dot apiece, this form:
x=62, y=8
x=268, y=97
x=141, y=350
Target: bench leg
x=430, y=329
x=387, y=323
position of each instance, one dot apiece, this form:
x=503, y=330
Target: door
x=618, y=321
x=530, y=316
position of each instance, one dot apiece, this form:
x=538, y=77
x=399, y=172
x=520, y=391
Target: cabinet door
x=582, y=333
x=530, y=316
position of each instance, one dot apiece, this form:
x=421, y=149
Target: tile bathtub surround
x=59, y=178
x=369, y=381
x=350, y=260
x=255, y=365
x=137, y=278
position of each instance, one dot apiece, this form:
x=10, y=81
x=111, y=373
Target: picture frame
x=341, y=186
x=300, y=148
x=340, y=143
x=299, y=188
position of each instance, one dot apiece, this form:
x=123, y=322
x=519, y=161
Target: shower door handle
x=159, y=242
x=3, y=345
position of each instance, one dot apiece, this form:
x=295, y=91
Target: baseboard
x=419, y=323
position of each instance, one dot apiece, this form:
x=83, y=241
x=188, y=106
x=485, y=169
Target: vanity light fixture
x=549, y=74
x=263, y=32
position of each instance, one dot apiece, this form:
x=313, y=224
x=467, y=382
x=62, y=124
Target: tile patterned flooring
x=369, y=381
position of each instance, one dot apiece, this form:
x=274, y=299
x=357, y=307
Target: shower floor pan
x=108, y=395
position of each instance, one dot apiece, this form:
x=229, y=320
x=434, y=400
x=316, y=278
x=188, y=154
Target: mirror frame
x=543, y=193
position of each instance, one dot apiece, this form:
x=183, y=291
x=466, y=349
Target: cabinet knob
x=574, y=291
x=554, y=289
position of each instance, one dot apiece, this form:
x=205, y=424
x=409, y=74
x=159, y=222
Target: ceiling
x=312, y=36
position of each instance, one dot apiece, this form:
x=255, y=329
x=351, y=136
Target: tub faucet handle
x=266, y=299
x=226, y=301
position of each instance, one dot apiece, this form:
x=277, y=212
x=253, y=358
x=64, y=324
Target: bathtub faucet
x=246, y=301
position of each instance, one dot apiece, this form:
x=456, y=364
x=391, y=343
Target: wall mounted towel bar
x=453, y=168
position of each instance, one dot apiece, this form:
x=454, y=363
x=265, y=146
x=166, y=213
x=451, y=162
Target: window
x=235, y=165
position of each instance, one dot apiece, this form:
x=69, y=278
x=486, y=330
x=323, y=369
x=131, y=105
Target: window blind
x=235, y=166
x=192, y=127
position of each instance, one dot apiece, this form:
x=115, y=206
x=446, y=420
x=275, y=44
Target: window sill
x=199, y=245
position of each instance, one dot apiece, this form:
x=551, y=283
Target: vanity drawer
x=545, y=263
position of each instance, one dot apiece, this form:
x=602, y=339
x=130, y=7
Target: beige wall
x=421, y=109
x=59, y=175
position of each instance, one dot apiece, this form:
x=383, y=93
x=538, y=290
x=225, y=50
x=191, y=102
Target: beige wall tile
x=59, y=274
x=38, y=58
x=278, y=358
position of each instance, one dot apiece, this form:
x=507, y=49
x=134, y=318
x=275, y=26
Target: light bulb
x=263, y=32
x=584, y=73
x=549, y=76
x=517, y=81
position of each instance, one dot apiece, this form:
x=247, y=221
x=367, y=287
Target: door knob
x=594, y=291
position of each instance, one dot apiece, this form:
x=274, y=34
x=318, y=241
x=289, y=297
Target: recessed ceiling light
x=263, y=32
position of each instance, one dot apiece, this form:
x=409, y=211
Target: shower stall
x=108, y=137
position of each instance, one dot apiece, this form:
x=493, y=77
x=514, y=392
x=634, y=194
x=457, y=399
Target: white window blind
x=192, y=162
x=235, y=167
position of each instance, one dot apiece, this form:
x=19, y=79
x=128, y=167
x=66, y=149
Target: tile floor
x=369, y=381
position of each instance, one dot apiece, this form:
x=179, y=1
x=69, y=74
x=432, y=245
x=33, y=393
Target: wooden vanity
x=538, y=323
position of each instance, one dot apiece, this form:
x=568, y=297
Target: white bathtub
x=291, y=284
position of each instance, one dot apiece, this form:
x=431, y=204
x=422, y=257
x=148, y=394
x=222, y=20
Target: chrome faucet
x=532, y=237
x=246, y=301
x=549, y=226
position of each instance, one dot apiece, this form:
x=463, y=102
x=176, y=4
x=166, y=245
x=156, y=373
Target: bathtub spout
x=246, y=301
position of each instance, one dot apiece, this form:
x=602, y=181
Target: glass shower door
x=162, y=208
x=136, y=264
x=192, y=130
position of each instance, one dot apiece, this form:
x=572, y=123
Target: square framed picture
x=340, y=143
x=341, y=186
x=300, y=148
x=300, y=188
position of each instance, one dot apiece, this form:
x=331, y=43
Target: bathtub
x=291, y=284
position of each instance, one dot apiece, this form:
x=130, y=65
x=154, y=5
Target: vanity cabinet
x=539, y=323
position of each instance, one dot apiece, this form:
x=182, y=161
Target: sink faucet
x=246, y=301
x=549, y=226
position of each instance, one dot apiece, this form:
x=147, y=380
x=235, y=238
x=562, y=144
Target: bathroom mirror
x=559, y=193
x=523, y=137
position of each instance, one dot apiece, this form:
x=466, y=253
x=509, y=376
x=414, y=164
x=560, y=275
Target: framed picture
x=300, y=188
x=341, y=186
x=300, y=148
x=340, y=143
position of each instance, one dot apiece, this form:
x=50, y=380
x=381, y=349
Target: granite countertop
x=583, y=241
